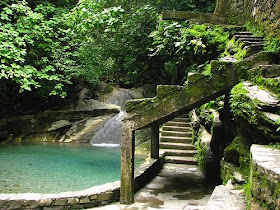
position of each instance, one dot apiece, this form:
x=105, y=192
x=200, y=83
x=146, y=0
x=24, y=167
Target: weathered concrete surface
x=172, y=101
x=176, y=187
x=265, y=177
x=226, y=197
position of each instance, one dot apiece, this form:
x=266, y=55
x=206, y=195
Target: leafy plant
x=186, y=46
x=35, y=47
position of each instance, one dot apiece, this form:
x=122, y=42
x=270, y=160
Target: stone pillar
x=155, y=141
x=220, y=7
x=127, y=164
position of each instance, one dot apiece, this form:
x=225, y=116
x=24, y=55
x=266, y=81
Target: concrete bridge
x=172, y=101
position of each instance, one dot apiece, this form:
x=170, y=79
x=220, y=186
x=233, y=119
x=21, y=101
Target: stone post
x=155, y=141
x=220, y=7
x=127, y=164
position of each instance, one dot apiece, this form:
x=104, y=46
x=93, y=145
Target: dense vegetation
x=49, y=49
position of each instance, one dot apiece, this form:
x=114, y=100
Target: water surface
x=53, y=167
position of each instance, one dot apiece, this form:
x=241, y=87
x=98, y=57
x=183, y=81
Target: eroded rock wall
x=266, y=13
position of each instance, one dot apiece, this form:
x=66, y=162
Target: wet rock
x=228, y=59
x=45, y=202
x=226, y=197
x=84, y=200
x=238, y=178
x=59, y=125
x=270, y=71
x=105, y=196
x=73, y=201
x=272, y=117
x=60, y=202
x=267, y=101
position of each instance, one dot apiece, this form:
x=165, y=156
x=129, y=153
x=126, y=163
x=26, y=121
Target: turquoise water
x=52, y=168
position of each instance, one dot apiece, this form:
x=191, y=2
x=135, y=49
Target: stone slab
x=226, y=197
x=267, y=158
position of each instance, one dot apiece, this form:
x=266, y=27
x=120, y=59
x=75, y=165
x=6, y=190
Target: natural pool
x=53, y=167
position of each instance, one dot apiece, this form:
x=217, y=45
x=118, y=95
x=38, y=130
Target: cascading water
x=110, y=134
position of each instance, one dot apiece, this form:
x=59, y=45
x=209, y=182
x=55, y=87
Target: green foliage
x=273, y=45
x=277, y=144
x=114, y=42
x=235, y=49
x=35, y=47
x=182, y=5
x=183, y=47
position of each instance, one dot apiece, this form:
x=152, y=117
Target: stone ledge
x=265, y=177
x=266, y=158
x=226, y=197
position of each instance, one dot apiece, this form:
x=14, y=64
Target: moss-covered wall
x=265, y=177
x=265, y=14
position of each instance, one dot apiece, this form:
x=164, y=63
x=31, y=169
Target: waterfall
x=109, y=135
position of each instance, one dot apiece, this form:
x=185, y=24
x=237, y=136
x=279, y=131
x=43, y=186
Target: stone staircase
x=254, y=43
x=175, y=141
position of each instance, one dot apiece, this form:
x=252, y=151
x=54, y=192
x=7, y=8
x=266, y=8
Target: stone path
x=176, y=187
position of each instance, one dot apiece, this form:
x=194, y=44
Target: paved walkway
x=176, y=187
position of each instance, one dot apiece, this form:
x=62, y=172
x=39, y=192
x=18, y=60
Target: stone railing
x=172, y=101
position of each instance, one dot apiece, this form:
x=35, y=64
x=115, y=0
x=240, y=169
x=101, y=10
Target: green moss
x=201, y=154
x=238, y=153
x=138, y=104
x=167, y=90
x=235, y=49
x=271, y=84
x=265, y=185
x=108, y=89
x=227, y=171
x=251, y=119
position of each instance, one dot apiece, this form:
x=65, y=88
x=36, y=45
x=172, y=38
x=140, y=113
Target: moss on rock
x=251, y=116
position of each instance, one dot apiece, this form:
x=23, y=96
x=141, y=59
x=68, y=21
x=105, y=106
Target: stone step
x=176, y=139
x=176, y=133
x=247, y=36
x=177, y=152
x=251, y=39
x=177, y=124
x=180, y=160
x=180, y=146
x=181, y=119
x=247, y=33
x=185, y=116
x=174, y=128
x=253, y=43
